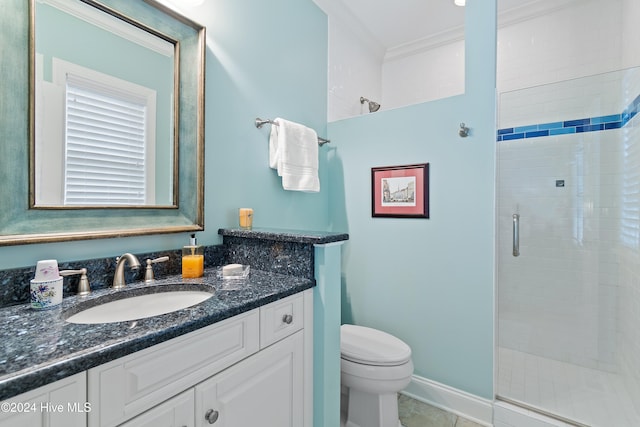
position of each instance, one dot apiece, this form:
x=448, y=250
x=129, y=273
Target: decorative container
x=46, y=293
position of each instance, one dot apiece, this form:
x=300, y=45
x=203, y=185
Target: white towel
x=293, y=152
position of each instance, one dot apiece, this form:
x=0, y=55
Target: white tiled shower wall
x=558, y=298
x=354, y=71
x=414, y=79
x=593, y=96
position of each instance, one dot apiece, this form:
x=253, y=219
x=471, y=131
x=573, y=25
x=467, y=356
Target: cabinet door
x=59, y=404
x=175, y=412
x=263, y=390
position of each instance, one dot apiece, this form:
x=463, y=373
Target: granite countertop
x=295, y=236
x=40, y=347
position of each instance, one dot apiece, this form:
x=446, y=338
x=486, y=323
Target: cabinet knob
x=211, y=416
x=287, y=318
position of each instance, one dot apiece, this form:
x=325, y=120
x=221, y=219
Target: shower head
x=373, y=106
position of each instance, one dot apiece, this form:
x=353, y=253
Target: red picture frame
x=400, y=191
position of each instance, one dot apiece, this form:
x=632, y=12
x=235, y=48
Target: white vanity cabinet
x=264, y=390
x=130, y=385
x=59, y=404
x=252, y=369
x=268, y=388
x=177, y=411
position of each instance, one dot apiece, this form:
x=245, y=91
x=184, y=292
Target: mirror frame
x=20, y=224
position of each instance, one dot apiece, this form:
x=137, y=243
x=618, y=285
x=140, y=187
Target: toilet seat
x=368, y=346
x=376, y=376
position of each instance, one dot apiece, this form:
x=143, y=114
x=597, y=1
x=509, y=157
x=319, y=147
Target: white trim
x=515, y=15
x=425, y=44
x=337, y=9
x=531, y=10
x=458, y=402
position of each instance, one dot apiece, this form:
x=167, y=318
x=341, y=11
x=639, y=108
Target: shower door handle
x=516, y=235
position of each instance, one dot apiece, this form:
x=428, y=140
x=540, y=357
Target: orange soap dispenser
x=192, y=259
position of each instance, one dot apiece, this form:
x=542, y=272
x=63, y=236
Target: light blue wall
x=264, y=59
x=427, y=281
x=326, y=335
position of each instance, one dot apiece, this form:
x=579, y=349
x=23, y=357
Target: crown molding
x=425, y=44
x=531, y=10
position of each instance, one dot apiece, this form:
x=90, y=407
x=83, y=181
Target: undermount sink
x=132, y=305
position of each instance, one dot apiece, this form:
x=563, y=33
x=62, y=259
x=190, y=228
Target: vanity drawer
x=177, y=411
x=281, y=318
x=126, y=387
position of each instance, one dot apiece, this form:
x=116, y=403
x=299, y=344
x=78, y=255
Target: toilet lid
x=369, y=346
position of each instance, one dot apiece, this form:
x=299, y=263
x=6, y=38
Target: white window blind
x=104, y=145
x=630, y=195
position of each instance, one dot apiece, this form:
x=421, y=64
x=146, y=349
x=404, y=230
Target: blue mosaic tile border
x=589, y=124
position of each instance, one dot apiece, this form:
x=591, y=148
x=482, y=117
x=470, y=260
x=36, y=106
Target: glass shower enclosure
x=568, y=249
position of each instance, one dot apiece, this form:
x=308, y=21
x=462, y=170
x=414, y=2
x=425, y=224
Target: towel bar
x=261, y=122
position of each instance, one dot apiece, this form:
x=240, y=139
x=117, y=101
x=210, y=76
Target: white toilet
x=374, y=367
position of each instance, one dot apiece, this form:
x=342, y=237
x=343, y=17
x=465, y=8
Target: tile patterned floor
x=414, y=413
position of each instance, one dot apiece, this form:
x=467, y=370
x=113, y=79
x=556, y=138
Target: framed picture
x=400, y=191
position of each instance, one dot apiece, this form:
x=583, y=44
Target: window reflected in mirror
x=105, y=96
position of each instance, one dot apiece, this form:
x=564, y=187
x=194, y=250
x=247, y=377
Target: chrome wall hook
x=464, y=131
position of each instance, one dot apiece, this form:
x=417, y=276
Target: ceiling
x=395, y=26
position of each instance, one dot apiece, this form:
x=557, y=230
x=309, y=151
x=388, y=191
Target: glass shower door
x=568, y=249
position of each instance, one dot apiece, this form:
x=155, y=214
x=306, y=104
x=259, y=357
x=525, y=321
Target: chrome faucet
x=118, y=278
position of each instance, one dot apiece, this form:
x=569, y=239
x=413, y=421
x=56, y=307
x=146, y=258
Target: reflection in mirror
x=104, y=110
x=20, y=222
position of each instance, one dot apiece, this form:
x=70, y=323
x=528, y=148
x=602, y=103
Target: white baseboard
x=456, y=401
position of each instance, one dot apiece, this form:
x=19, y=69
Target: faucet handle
x=148, y=274
x=83, y=286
